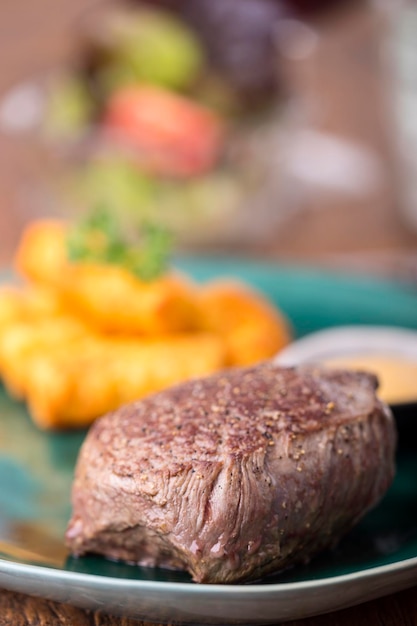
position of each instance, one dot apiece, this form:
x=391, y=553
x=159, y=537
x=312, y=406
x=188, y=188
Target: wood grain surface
x=19, y=610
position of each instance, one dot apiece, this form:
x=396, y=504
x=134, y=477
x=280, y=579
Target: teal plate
x=378, y=557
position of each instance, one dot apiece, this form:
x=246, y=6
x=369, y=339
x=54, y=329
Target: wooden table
x=367, y=234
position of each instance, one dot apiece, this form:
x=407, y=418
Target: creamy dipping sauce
x=397, y=374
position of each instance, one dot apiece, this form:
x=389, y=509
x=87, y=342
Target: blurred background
x=281, y=129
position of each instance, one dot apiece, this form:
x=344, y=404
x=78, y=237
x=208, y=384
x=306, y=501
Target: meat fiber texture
x=234, y=476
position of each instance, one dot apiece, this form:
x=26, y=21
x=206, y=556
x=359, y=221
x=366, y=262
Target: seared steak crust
x=234, y=476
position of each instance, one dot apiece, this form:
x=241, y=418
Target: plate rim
x=254, y=605
x=254, y=589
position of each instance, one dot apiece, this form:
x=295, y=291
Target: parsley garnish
x=101, y=237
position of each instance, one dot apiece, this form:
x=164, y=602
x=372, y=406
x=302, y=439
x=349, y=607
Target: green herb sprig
x=100, y=236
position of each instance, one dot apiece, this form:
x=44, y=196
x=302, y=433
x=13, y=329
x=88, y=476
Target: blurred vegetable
x=147, y=45
x=172, y=135
x=239, y=37
x=69, y=106
x=310, y=8
x=115, y=182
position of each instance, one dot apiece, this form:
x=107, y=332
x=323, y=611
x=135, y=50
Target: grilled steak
x=234, y=476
